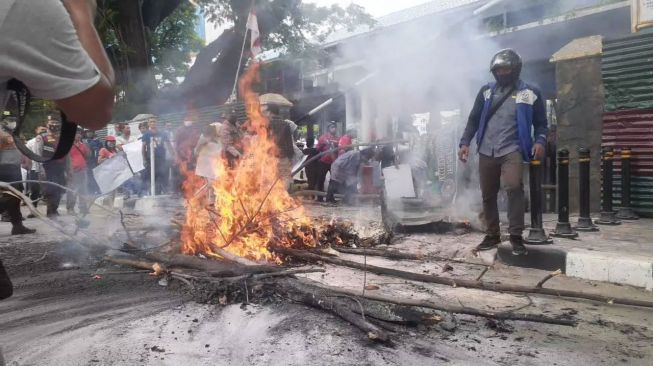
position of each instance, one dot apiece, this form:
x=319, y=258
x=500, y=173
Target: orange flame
x=251, y=208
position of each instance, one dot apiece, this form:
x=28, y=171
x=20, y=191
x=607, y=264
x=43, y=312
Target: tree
x=290, y=26
x=145, y=39
x=148, y=38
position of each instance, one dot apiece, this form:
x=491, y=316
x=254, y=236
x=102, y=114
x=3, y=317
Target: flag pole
x=232, y=97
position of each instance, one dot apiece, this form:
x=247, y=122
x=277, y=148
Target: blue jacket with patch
x=531, y=117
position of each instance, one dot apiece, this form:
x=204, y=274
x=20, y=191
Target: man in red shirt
x=326, y=142
x=77, y=175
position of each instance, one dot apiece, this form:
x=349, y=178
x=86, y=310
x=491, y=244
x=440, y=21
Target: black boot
x=518, y=247
x=489, y=242
x=20, y=229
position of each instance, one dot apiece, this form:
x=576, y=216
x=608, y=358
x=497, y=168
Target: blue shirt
x=501, y=136
x=159, y=140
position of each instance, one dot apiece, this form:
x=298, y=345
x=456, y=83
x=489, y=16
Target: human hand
x=463, y=153
x=538, y=151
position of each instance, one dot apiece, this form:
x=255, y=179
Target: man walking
x=502, y=118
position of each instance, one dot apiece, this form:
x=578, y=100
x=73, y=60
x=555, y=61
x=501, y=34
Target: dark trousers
x=161, y=177
x=10, y=204
x=312, y=171
x=6, y=288
x=34, y=188
x=506, y=172
x=54, y=172
x=322, y=170
x=342, y=188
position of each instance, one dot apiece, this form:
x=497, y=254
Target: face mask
x=188, y=123
x=11, y=125
x=504, y=80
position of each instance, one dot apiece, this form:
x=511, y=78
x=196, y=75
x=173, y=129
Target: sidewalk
x=620, y=254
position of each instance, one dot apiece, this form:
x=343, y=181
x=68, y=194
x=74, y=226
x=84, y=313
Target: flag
x=252, y=25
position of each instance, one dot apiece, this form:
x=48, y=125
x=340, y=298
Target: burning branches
x=251, y=205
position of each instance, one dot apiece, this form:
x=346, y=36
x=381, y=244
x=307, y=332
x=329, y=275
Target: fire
x=250, y=208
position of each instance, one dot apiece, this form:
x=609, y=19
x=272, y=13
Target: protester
x=326, y=142
x=10, y=162
x=280, y=132
x=502, y=118
x=55, y=170
x=346, y=140
x=109, y=149
x=94, y=145
x=60, y=57
x=107, y=152
x=160, y=143
x=36, y=171
x=186, y=140
x=78, y=176
x=125, y=137
x=312, y=169
x=231, y=137
x=344, y=174
x=142, y=128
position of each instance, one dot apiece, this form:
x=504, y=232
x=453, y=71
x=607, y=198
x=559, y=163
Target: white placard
x=112, y=173
x=398, y=182
x=642, y=11
x=207, y=160
x=134, y=152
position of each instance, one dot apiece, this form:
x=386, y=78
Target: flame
x=250, y=208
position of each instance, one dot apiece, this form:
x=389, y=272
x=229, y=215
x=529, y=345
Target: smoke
x=431, y=66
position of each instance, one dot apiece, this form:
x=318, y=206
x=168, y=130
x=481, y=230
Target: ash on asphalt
x=92, y=312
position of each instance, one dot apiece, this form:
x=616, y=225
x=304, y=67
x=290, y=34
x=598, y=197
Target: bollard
x=584, y=220
x=608, y=216
x=536, y=234
x=563, y=227
x=626, y=212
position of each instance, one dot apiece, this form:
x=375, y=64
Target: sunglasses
x=18, y=102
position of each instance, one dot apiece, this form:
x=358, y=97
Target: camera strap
x=66, y=137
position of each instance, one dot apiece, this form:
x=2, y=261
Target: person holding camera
x=53, y=48
x=59, y=57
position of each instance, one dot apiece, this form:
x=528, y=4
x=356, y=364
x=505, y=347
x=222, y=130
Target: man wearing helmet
x=504, y=114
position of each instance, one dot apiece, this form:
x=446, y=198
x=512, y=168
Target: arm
x=92, y=107
x=540, y=123
x=474, y=118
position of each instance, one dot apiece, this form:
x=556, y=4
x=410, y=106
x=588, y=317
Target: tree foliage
x=148, y=38
x=290, y=27
x=150, y=43
x=173, y=42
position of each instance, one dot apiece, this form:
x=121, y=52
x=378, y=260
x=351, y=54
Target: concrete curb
x=139, y=204
x=586, y=264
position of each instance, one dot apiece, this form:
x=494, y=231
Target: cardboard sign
x=399, y=182
x=134, y=153
x=112, y=173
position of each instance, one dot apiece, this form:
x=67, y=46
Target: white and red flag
x=252, y=25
